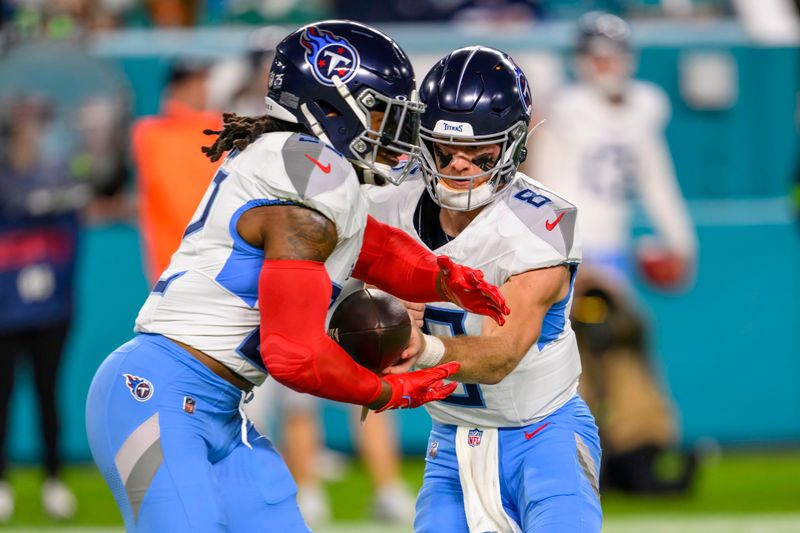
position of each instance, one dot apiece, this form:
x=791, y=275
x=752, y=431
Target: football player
x=280, y=228
x=514, y=448
x=603, y=145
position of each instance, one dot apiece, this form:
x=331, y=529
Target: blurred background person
x=172, y=172
x=38, y=239
x=62, y=155
x=61, y=146
x=603, y=146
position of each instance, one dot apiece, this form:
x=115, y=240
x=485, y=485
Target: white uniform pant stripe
x=479, y=473
x=138, y=460
x=587, y=464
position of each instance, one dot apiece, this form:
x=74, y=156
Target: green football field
x=737, y=492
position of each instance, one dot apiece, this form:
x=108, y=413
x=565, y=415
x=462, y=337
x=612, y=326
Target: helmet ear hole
x=328, y=109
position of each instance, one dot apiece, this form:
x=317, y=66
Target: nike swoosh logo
x=325, y=168
x=529, y=436
x=552, y=225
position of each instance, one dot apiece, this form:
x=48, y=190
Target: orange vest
x=173, y=175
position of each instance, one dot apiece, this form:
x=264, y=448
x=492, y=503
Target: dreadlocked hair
x=238, y=131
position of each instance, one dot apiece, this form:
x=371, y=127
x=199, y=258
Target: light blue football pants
x=548, y=473
x=166, y=434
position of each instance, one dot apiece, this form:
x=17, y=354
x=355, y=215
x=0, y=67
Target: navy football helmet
x=329, y=76
x=475, y=96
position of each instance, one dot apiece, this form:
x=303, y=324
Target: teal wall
x=747, y=151
x=729, y=349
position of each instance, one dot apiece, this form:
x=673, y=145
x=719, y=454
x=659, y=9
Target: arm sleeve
x=658, y=187
x=662, y=198
x=293, y=300
x=393, y=261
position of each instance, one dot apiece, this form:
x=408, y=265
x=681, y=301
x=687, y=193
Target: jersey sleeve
x=542, y=231
x=657, y=184
x=653, y=106
x=300, y=169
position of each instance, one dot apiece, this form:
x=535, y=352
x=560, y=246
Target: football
x=373, y=327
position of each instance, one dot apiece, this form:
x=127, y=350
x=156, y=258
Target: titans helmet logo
x=141, y=389
x=329, y=55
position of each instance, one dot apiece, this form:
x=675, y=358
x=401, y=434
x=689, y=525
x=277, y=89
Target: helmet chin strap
x=370, y=177
x=347, y=96
x=467, y=200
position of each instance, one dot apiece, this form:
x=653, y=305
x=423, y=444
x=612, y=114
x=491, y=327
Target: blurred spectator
x=237, y=84
x=173, y=13
x=38, y=237
x=772, y=22
x=172, y=172
x=57, y=19
x=61, y=118
x=290, y=12
x=603, y=146
x=438, y=10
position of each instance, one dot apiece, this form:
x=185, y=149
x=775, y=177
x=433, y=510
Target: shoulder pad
x=382, y=194
x=544, y=213
x=313, y=167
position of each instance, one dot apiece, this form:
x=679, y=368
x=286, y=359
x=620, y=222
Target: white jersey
x=603, y=155
x=208, y=296
x=525, y=228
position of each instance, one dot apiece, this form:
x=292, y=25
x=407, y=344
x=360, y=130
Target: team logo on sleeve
x=474, y=437
x=329, y=55
x=141, y=388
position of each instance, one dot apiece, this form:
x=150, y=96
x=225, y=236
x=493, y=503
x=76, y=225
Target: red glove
x=464, y=286
x=393, y=261
x=413, y=389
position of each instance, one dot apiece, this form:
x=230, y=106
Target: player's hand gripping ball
x=373, y=327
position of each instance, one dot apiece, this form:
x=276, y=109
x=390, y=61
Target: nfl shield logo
x=141, y=388
x=433, y=451
x=474, y=437
x=189, y=404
